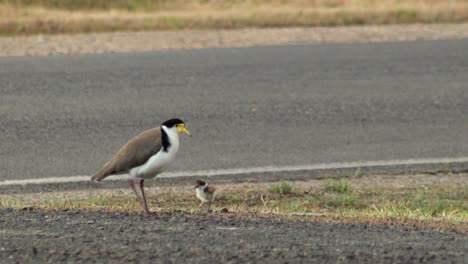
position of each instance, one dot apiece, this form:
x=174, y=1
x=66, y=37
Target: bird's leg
x=200, y=205
x=208, y=208
x=131, y=182
x=142, y=182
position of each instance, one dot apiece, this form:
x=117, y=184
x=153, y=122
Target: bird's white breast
x=159, y=161
x=202, y=195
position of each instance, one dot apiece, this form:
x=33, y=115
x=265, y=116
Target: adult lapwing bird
x=205, y=193
x=145, y=156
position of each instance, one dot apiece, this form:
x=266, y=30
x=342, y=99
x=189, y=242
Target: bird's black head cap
x=172, y=122
x=200, y=183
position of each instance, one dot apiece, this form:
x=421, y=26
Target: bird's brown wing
x=209, y=189
x=133, y=154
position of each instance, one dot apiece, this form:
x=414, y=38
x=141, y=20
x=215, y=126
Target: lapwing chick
x=205, y=193
x=145, y=156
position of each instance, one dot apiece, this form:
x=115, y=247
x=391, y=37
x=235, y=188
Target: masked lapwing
x=145, y=156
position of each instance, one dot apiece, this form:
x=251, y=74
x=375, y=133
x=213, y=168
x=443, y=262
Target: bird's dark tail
x=105, y=171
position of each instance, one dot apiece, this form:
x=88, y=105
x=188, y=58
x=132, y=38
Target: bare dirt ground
x=37, y=236
x=189, y=39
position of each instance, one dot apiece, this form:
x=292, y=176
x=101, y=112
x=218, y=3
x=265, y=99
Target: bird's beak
x=183, y=130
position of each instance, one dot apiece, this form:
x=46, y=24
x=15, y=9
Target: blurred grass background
x=78, y=16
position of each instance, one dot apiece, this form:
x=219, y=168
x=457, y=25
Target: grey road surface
x=288, y=105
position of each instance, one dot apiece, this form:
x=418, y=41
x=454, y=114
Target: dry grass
x=441, y=206
x=76, y=16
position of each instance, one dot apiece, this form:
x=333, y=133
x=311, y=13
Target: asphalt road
x=289, y=105
x=93, y=237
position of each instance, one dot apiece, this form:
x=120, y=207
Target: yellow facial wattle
x=182, y=129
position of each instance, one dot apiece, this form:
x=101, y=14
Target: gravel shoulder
x=88, y=237
x=185, y=185
x=192, y=39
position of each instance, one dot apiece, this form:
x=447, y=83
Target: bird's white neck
x=173, y=138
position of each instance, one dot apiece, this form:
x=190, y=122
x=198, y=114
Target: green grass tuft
x=337, y=186
x=281, y=188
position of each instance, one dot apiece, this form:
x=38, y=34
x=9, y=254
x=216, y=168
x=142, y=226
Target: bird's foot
x=148, y=212
x=207, y=211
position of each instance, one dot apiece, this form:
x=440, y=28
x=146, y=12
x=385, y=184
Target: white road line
x=246, y=171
